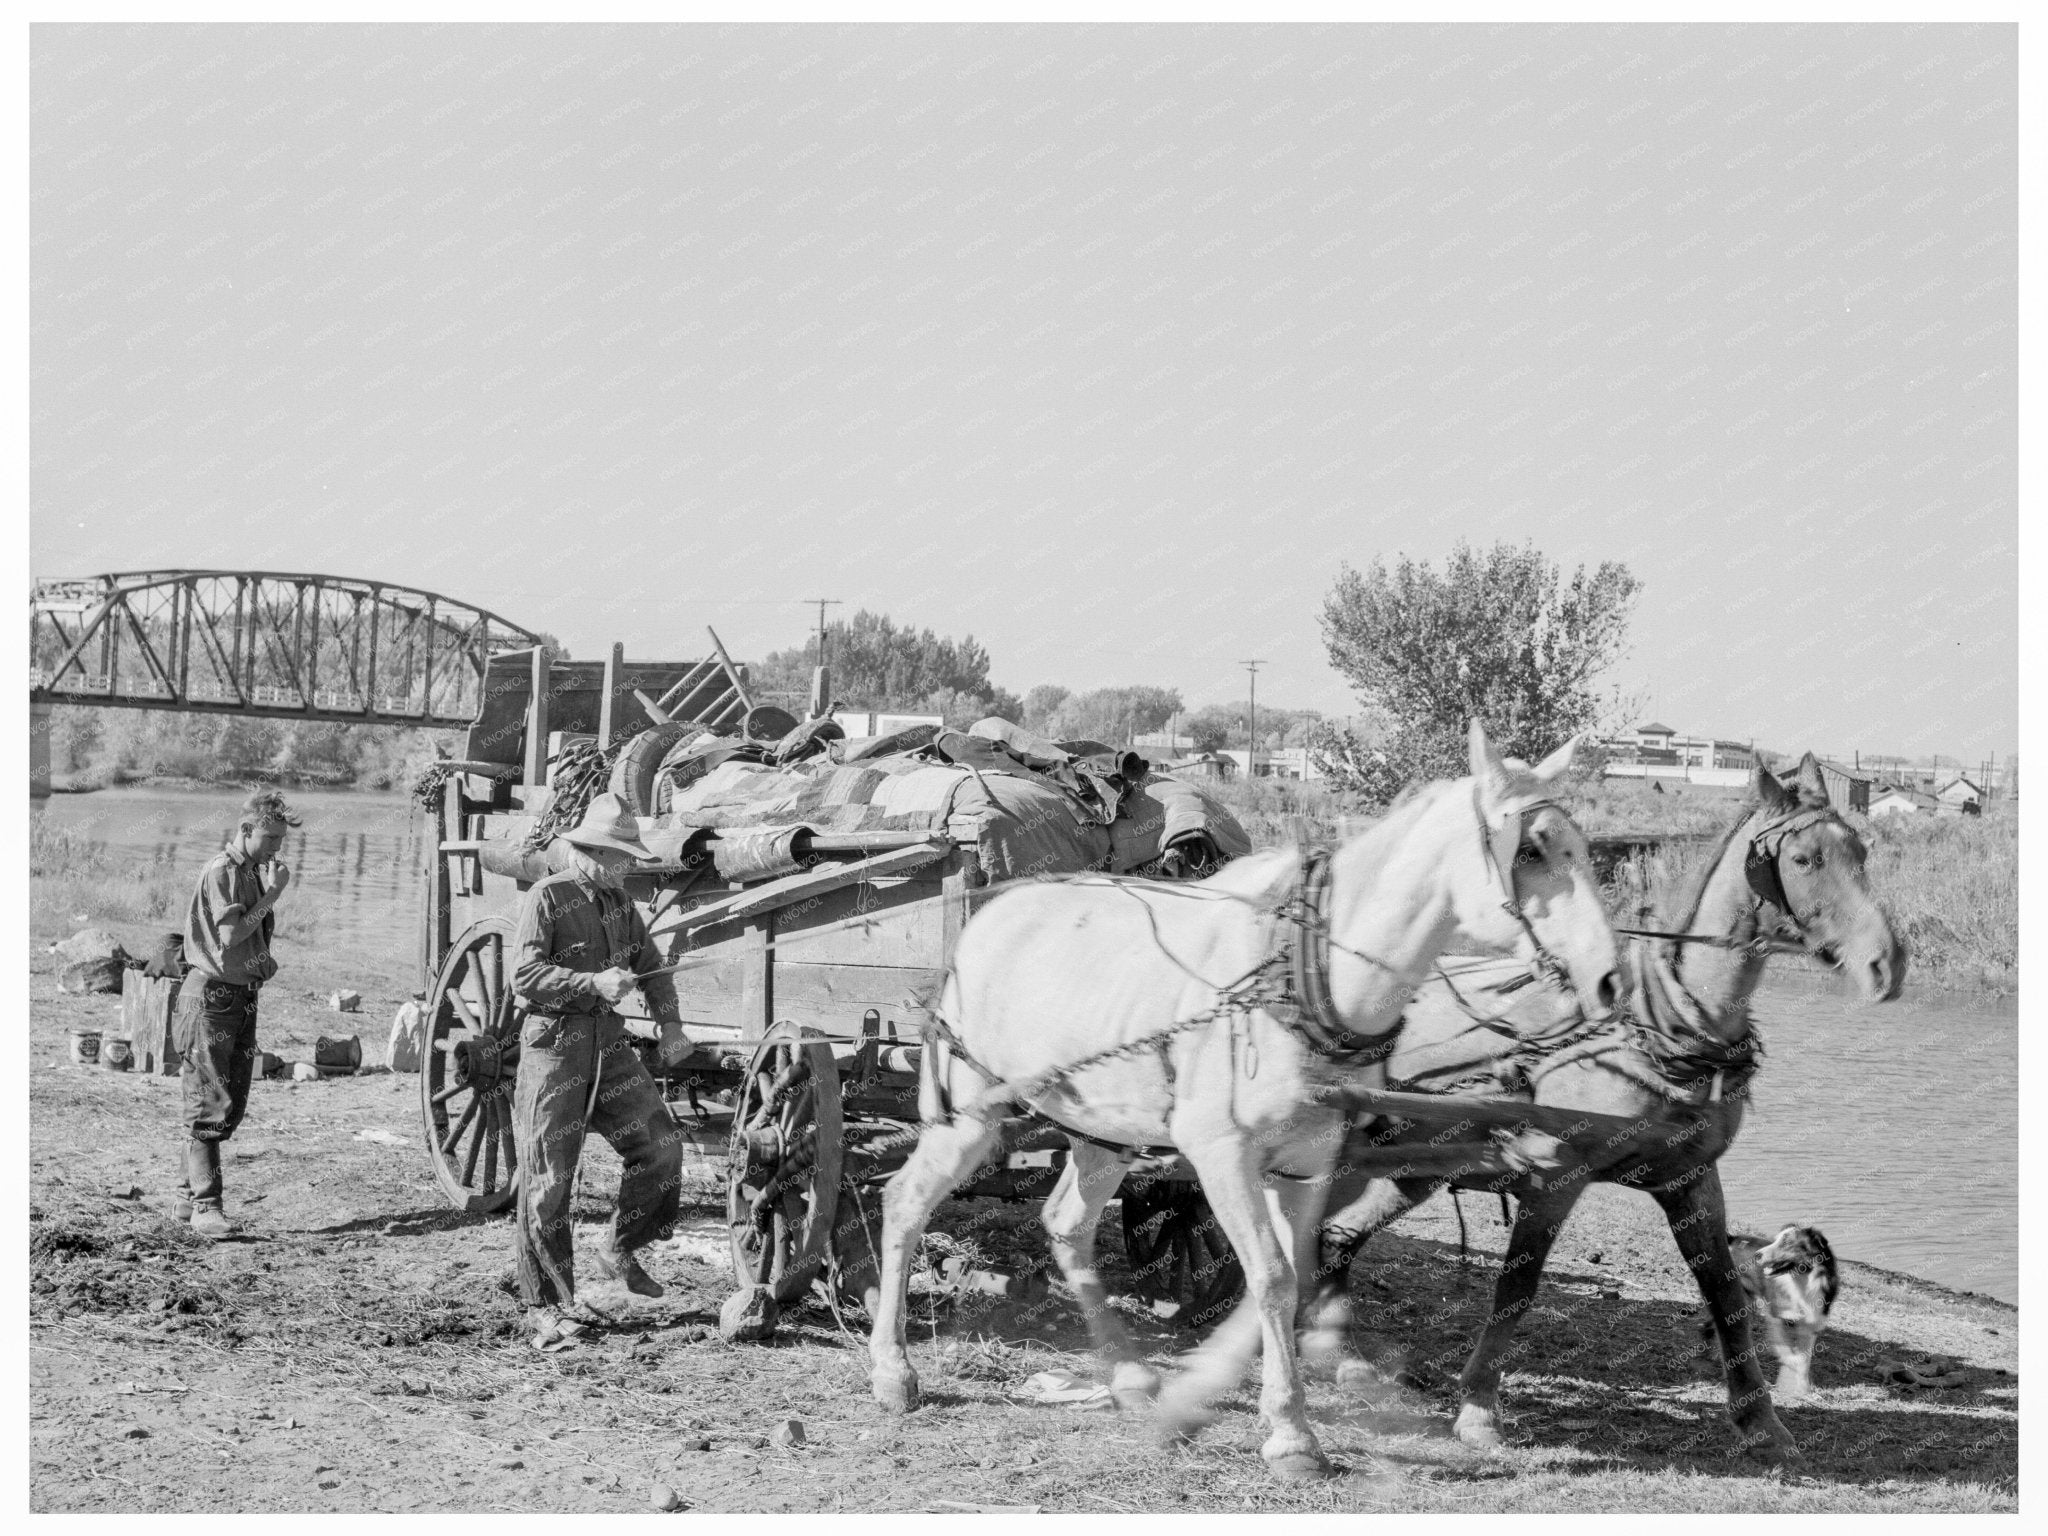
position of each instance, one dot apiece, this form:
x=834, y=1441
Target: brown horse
x=1788, y=876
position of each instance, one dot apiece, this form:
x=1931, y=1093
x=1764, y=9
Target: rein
x=1762, y=944
x=1767, y=889
x=1684, y=1060
x=1292, y=982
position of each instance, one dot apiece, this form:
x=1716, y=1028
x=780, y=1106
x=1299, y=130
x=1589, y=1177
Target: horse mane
x=1695, y=889
x=1280, y=862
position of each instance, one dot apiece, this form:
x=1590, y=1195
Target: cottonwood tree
x=1216, y=726
x=1111, y=715
x=1500, y=633
x=879, y=664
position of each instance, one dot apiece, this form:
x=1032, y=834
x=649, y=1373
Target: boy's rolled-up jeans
x=215, y=1033
x=560, y=1056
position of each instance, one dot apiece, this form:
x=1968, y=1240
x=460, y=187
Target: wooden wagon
x=804, y=994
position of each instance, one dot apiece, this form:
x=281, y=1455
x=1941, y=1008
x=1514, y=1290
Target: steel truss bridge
x=286, y=645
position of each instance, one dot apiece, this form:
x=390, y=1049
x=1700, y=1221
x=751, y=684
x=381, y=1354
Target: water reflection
x=1838, y=1133
x=356, y=860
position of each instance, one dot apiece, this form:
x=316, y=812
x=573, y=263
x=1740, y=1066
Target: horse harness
x=1684, y=1059
x=1291, y=984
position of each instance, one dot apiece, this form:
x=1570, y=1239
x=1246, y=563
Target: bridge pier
x=38, y=751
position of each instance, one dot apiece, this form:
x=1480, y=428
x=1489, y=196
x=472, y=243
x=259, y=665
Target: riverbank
x=356, y=1348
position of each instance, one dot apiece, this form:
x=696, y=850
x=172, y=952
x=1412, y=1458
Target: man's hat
x=608, y=824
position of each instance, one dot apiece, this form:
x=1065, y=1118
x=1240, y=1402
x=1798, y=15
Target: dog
x=1792, y=1283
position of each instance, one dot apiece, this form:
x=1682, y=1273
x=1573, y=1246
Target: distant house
x=863, y=725
x=1274, y=763
x=1656, y=751
x=1960, y=797
x=1203, y=765
x=1901, y=800
x=1848, y=790
x=1166, y=743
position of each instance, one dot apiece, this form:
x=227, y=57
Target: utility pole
x=823, y=603
x=1251, y=756
x=821, y=680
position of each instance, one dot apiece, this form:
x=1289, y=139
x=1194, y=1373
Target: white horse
x=1119, y=1010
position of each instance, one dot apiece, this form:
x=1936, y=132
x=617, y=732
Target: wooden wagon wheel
x=466, y=1070
x=1178, y=1252
x=782, y=1180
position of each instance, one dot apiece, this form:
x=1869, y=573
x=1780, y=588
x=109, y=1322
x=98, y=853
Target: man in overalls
x=581, y=949
x=227, y=949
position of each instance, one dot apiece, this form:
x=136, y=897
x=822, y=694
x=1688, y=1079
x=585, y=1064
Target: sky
x=1107, y=345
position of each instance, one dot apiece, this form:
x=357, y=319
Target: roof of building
x=1829, y=765
x=1654, y=729
x=1967, y=783
x=1919, y=797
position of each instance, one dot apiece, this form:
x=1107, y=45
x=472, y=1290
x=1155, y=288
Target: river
x=1837, y=1136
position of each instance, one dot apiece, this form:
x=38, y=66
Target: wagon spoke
x=492, y=973
x=476, y=1145
x=489, y=1137
x=455, y=1136
x=448, y=1093
x=462, y=1007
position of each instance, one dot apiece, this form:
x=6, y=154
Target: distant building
x=1901, y=800
x=1848, y=790
x=1164, y=743
x=1203, y=765
x=1656, y=751
x=1960, y=797
x=861, y=724
x=1277, y=762
x=1654, y=735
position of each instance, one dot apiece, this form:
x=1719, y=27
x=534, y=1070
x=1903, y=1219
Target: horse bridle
x=1545, y=966
x=1767, y=889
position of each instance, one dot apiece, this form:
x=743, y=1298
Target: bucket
x=117, y=1053
x=85, y=1047
x=338, y=1058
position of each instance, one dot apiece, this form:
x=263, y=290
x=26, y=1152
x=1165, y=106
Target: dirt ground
x=356, y=1348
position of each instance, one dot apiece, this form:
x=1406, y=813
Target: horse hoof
x=1357, y=1377
x=1481, y=1431
x=1774, y=1449
x=1134, y=1386
x=1175, y=1427
x=896, y=1394
x=1301, y=1467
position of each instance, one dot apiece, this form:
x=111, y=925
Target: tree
x=1501, y=634
x=877, y=664
x=1216, y=726
x=1039, y=705
x=1112, y=715
x=1213, y=725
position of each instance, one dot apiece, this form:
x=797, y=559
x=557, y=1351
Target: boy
x=227, y=952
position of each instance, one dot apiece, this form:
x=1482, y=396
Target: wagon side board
x=826, y=962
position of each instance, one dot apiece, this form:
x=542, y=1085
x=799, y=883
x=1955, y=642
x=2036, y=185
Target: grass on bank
x=1949, y=884
x=76, y=882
